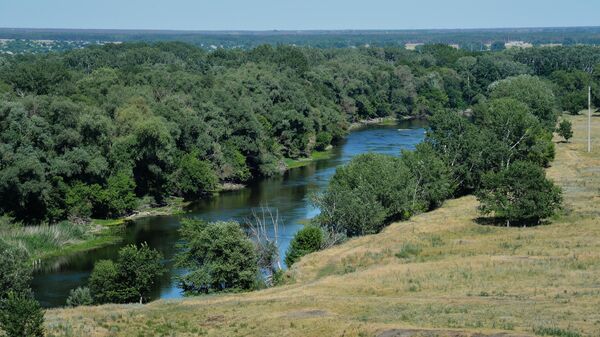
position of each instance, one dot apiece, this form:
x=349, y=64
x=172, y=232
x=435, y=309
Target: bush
x=307, y=240
x=219, y=257
x=15, y=273
x=519, y=194
x=130, y=279
x=80, y=296
x=21, y=315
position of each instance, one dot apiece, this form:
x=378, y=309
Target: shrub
x=80, y=296
x=15, y=273
x=520, y=193
x=219, y=257
x=21, y=315
x=307, y=240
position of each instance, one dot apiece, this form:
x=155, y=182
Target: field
x=443, y=273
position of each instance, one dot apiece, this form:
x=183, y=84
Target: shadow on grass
x=501, y=222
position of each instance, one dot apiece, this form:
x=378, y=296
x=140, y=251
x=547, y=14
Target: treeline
x=89, y=132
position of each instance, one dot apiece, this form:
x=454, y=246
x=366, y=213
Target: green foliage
x=409, y=250
x=323, y=141
x=367, y=193
x=531, y=90
x=194, y=177
x=307, y=240
x=497, y=46
x=15, y=272
x=434, y=182
x=21, y=316
x=555, y=331
x=128, y=280
x=80, y=296
x=520, y=194
x=572, y=89
x=218, y=256
x=565, y=130
x=103, y=282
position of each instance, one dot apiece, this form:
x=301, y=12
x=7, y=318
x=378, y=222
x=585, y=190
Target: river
x=289, y=194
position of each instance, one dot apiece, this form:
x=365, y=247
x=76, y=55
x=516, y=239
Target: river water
x=289, y=194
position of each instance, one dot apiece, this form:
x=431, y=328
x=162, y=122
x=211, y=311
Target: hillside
x=443, y=273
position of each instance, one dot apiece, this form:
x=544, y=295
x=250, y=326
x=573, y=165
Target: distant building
x=551, y=45
x=518, y=44
x=412, y=46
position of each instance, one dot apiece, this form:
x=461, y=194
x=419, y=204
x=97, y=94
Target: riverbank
x=99, y=233
x=440, y=273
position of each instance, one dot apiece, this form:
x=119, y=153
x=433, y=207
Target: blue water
x=288, y=194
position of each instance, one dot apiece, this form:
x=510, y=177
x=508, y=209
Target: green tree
x=497, y=46
x=366, y=194
x=103, y=283
x=194, y=178
x=565, y=130
x=128, y=280
x=433, y=177
x=519, y=194
x=307, y=240
x=21, y=315
x=531, y=90
x=219, y=257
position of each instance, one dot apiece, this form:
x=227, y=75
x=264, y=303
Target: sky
x=296, y=15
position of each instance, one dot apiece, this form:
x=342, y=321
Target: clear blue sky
x=299, y=14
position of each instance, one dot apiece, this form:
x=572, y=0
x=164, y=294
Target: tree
x=519, y=194
x=498, y=46
x=565, y=130
x=21, y=315
x=531, y=90
x=366, y=194
x=80, y=296
x=194, y=178
x=307, y=240
x=103, y=283
x=128, y=280
x=218, y=256
x=517, y=133
x=434, y=182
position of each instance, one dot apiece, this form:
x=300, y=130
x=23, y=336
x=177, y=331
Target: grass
x=315, y=155
x=464, y=279
x=47, y=241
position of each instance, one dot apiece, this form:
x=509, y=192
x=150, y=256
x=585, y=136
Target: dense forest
x=87, y=133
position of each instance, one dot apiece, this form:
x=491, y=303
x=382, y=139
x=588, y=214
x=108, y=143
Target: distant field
x=472, y=39
x=439, y=274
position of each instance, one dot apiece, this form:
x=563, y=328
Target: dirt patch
x=439, y=333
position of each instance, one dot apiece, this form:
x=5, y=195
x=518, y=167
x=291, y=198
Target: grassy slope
x=441, y=271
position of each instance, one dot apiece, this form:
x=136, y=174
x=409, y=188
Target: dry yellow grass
x=440, y=274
